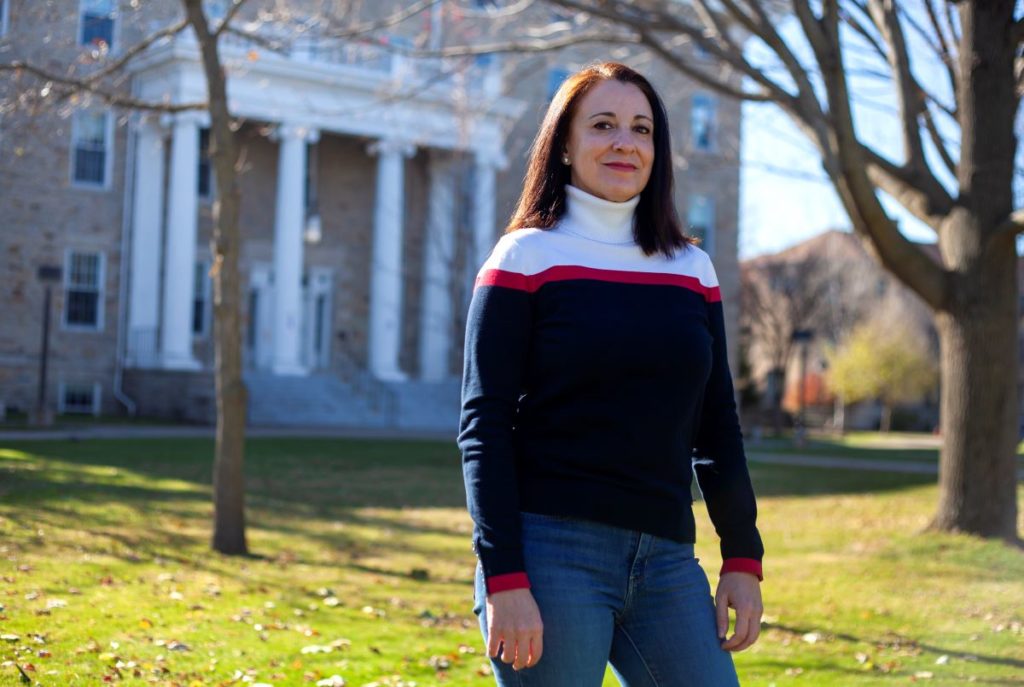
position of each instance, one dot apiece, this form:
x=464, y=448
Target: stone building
x=374, y=184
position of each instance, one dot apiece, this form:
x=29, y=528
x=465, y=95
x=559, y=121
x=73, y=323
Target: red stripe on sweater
x=504, y=583
x=747, y=565
x=532, y=282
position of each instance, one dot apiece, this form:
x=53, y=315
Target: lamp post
x=802, y=337
x=43, y=414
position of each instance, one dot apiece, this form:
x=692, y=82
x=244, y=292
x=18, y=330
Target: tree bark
x=977, y=468
x=978, y=331
x=232, y=396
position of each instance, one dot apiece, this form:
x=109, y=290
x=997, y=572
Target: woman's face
x=611, y=141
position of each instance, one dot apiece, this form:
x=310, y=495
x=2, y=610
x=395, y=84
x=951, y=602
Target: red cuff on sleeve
x=504, y=583
x=747, y=565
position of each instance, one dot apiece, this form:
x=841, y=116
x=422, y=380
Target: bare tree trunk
x=977, y=475
x=232, y=396
x=978, y=331
x=839, y=415
x=885, y=424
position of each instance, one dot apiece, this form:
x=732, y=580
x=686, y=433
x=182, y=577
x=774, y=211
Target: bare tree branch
x=1014, y=224
x=136, y=50
x=392, y=19
x=809, y=106
x=847, y=165
x=937, y=141
x=948, y=58
x=884, y=14
x=232, y=12
x=73, y=84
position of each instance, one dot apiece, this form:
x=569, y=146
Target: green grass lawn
x=866, y=445
x=362, y=568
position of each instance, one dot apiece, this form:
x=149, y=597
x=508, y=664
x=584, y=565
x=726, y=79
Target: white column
x=147, y=217
x=386, y=267
x=484, y=231
x=436, y=297
x=180, y=258
x=290, y=218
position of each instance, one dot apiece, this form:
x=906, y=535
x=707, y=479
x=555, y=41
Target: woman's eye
x=642, y=129
x=602, y=125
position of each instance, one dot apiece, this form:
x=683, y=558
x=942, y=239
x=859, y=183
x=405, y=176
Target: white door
x=316, y=317
x=259, y=337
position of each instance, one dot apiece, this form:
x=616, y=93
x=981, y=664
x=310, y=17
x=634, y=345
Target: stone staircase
x=325, y=400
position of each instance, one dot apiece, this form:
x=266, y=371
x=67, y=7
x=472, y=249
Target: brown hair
x=656, y=226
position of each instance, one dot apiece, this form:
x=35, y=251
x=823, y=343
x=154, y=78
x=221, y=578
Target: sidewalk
x=201, y=432
x=192, y=431
x=915, y=467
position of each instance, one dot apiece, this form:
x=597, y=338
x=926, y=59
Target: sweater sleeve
x=720, y=463
x=497, y=339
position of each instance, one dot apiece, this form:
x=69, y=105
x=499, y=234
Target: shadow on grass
x=894, y=641
x=353, y=472
x=317, y=490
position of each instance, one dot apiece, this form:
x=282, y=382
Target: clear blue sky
x=785, y=197
x=784, y=194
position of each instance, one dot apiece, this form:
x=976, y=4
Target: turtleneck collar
x=598, y=219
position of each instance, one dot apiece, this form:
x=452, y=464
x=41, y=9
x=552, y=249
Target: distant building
x=856, y=287
x=374, y=185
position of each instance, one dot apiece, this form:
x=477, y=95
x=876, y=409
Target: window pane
x=82, y=307
x=97, y=29
x=250, y=332
x=91, y=129
x=204, y=163
x=90, y=165
x=78, y=399
x=85, y=268
x=197, y=316
x=199, y=301
x=703, y=121
x=90, y=156
x=700, y=219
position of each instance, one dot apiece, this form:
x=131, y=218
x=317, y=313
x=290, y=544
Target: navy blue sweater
x=595, y=384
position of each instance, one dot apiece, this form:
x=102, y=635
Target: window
x=83, y=290
x=205, y=179
x=200, y=299
x=97, y=22
x=90, y=139
x=700, y=221
x=555, y=78
x=79, y=398
x=702, y=121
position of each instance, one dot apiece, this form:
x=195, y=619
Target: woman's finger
x=536, y=649
x=508, y=654
x=722, y=613
x=739, y=634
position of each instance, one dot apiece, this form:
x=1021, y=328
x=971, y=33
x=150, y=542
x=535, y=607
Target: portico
x=300, y=101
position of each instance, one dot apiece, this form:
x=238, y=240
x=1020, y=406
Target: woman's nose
x=623, y=140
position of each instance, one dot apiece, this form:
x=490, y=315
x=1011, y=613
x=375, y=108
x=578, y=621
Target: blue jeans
x=608, y=594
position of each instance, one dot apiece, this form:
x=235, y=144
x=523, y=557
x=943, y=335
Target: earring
x=565, y=160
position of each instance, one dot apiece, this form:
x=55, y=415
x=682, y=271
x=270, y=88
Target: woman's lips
x=621, y=166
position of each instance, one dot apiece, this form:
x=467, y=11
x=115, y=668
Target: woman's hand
x=742, y=592
x=513, y=619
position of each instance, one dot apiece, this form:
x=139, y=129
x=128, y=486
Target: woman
x=595, y=384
